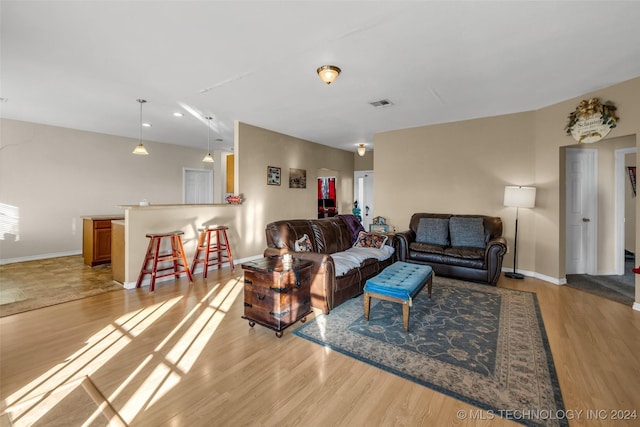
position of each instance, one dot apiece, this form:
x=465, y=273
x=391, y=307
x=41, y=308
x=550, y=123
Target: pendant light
x=208, y=158
x=362, y=149
x=140, y=149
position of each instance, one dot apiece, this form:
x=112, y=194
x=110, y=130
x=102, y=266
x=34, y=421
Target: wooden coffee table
x=277, y=294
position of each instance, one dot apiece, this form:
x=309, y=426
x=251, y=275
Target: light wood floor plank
x=173, y=357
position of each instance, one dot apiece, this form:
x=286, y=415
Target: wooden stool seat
x=153, y=258
x=212, y=250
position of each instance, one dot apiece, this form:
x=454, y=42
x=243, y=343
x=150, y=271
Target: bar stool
x=176, y=257
x=216, y=249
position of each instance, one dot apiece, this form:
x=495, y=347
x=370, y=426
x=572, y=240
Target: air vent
x=382, y=103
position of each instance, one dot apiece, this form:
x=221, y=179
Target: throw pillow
x=467, y=232
x=303, y=244
x=433, y=231
x=370, y=240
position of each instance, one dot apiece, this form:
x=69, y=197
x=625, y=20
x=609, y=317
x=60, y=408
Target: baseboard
x=636, y=306
x=38, y=257
x=554, y=280
x=147, y=281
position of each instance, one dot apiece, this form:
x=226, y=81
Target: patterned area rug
x=483, y=345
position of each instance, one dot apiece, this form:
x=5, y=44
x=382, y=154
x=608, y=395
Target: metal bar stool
x=153, y=257
x=214, y=250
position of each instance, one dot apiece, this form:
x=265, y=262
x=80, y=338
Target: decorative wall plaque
x=591, y=121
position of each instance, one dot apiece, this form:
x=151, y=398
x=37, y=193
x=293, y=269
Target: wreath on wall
x=591, y=121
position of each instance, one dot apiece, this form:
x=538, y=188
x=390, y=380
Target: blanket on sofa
x=353, y=257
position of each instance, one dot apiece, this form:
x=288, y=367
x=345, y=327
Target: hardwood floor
x=182, y=356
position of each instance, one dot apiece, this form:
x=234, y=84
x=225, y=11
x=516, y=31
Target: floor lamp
x=518, y=197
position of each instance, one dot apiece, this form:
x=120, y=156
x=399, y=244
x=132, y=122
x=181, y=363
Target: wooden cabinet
x=96, y=239
x=276, y=295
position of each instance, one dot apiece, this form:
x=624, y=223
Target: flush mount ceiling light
x=362, y=149
x=208, y=158
x=140, y=149
x=328, y=73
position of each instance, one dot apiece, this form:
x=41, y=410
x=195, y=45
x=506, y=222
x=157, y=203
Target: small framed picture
x=297, y=178
x=273, y=175
x=378, y=228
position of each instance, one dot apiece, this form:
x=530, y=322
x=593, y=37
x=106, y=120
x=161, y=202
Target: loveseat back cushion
x=492, y=224
x=467, y=232
x=433, y=231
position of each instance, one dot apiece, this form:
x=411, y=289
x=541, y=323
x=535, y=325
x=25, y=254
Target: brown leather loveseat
x=331, y=283
x=467, y=247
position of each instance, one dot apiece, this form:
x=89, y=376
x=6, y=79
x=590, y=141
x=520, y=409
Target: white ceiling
x=83, y=64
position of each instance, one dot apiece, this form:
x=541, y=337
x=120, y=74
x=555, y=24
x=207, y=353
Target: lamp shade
x=519, y=197
x=362, y=149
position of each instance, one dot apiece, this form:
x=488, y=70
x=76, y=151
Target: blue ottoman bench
x=400, y=282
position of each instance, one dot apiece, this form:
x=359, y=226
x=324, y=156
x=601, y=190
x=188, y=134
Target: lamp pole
x=515, y=275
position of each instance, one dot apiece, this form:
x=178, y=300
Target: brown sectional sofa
x=328, y=236
x=476, y=263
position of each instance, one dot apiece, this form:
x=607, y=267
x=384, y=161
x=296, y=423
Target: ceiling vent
x=382, y=103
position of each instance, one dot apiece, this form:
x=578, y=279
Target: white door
x=198, y=186
x=581, y=211
x=364, y=195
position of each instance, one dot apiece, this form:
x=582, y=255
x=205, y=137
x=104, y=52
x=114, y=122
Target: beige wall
x=56, y=175
x=458, y=168
x=462, y=167
x=258, y=148
x=363, y=163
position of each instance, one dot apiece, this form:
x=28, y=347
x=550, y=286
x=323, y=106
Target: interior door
x=364, y=196
x=198, y=186
x=581, y=211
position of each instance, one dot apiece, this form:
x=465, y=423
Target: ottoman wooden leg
x=405, y=317
x=367, y=305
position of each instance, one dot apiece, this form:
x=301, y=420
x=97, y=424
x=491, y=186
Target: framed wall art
x=297, y=178
x=273, y=175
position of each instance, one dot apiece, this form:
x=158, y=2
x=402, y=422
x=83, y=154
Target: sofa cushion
x=467, y=232
x=303, y=244
x=433, y=231
x=426, y=248
x=370, y=240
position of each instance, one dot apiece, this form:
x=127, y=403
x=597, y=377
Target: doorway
x=363, y=194
x=605, y=170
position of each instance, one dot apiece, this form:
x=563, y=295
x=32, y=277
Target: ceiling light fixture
x=328, y=73
x=362, y=149
x=208, y=158
x=140, y=149
x=178, y=114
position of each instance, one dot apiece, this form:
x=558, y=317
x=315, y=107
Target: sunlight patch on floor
x=99, y=349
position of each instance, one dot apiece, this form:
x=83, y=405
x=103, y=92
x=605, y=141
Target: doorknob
x=585, y=220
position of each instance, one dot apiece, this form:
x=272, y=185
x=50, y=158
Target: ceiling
x=82, y=65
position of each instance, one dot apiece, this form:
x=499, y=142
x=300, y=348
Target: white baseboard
x=546, y=278
x=636, y=306
x=38, y=257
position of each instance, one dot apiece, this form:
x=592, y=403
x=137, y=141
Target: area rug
x=483, y=345
x=30, y=285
